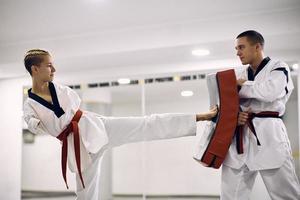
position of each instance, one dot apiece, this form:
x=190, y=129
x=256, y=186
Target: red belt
x=249, y=123
x=71, y=128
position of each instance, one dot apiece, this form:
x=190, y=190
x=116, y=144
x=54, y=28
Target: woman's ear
x=34, y=69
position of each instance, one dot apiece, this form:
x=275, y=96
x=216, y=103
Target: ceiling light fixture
x=124, y=81
x=187, y=93
x=295, y=66
x=200, y=52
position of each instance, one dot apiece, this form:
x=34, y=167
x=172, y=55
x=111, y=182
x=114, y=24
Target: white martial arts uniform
x=97, y=133
x=267, y=90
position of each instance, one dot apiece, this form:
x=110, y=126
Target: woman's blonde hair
x=34, y=57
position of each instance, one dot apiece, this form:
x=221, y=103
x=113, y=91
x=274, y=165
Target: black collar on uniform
x=55, y=107
x=263, y=63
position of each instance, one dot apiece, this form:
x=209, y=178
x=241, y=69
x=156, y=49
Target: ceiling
x=105, y=39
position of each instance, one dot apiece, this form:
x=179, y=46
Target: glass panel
x=127, y=174
x=171, y=170
x=291, y=121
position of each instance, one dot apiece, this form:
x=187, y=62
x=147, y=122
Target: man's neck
x=254, y=65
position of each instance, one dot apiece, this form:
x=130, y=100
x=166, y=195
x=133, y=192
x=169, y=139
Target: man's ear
x=258, y=46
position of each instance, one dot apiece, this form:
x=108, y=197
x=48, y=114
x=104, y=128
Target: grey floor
x=43, y=195
x=127, y=198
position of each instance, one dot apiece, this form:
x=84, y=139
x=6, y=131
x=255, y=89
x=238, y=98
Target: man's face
x=246, y=51
x=45, y=70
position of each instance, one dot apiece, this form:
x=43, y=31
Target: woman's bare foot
x=207, y=116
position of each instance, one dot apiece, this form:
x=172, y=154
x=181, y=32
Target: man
x=262, y=145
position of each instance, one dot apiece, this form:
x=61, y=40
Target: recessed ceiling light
x=200, y=52
x=295, y=66
x=124, y=81
x=25, y=91
x=176, y=78
x=187, y=93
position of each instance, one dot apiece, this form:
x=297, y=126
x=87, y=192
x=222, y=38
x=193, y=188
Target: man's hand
x=242, y=119
x=240, y=82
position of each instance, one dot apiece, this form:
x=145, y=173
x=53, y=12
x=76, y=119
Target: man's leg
x=236, y=184
x=282, y=183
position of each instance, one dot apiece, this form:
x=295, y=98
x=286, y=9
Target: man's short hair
x=253, y=37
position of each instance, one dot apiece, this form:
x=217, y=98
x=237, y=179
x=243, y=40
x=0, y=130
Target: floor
x=126, y=198
x=70, y=196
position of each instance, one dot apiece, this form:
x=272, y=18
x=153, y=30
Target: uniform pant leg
x=282, y=183
x=123, y=130
x=91, y=177
x=236, y=184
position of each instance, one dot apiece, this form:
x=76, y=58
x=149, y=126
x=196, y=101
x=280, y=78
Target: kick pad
x=218, y=133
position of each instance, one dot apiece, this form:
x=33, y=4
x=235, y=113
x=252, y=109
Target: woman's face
x=45, y=70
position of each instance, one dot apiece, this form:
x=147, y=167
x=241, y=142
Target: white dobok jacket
x=267, y=90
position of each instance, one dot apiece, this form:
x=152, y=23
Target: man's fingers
x=241, y=122
x=243, y=117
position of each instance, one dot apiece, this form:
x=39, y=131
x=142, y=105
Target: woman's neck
x=40, y=87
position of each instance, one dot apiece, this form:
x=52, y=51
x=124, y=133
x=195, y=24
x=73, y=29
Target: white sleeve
x=73, y=94
x=34, y=124
x=122, y=130
x=274, y=87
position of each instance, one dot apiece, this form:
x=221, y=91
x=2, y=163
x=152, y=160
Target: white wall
x=11, y=138
x=291, y=119
x=41, y=166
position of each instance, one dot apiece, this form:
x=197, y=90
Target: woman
x=54, y=109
